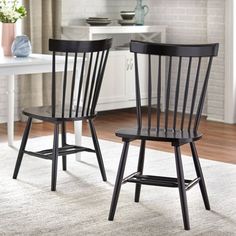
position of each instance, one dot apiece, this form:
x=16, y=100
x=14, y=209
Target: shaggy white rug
x=81, y=203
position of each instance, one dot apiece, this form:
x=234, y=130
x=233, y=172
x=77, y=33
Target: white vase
x=21, y=46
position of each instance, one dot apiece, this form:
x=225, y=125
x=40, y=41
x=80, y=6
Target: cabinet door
x=114, y=87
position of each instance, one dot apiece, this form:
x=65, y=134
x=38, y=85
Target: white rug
x=81, y=204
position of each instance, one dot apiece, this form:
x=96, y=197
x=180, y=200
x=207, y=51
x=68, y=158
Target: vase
x=140, y=12
x=8, y=36
x=21, y=46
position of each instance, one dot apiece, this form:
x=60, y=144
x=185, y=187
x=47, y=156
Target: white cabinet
x=115, y=87
x=118, y=88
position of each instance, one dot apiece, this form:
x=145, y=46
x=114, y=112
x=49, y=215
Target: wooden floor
x=218, y=143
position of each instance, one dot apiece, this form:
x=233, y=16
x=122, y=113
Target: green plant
x=10, y=11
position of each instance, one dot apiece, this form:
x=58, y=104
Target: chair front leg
x=55, y=157
x=97, y=150
x=119, y=178
x=63, y=141
x=22, y=147
x=140, y=169
x=181, y=185
x=200, y=175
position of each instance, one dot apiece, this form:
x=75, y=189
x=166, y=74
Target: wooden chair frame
x=79, y=104
x=178, y=132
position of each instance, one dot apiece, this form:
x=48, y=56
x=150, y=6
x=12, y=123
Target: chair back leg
x=181, y=186
x=97, y=150
x=55, y=157
x=200, y=175
x=22, y=147
x=140, y=169
x=63, y=141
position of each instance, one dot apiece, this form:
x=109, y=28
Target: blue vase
x=21, y=46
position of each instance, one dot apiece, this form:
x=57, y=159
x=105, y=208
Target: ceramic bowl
x=127, y=15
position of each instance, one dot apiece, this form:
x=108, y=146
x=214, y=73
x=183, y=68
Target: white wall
x=188, y=21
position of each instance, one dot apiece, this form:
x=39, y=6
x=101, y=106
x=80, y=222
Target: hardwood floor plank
x=218, y=142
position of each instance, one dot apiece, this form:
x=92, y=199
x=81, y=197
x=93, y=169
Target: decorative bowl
x=127, y=15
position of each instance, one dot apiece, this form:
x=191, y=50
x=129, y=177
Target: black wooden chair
x=182, y=102
x=77, y=102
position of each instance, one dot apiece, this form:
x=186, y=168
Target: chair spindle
x=203, y=95
x=168, y=93
x=80, y=84
x=194, y=93
x=177, y=93
x=149, y=92
x=186, y=93
x=73, y=84
x=138, y=97
x=64, y=85
x=159, y=94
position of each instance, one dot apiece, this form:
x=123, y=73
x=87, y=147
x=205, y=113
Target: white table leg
x=78, y=137
x=10, y=120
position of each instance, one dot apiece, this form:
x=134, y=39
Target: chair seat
x=45, y=113
x=169, y=135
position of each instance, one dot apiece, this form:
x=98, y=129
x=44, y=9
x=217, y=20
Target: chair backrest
x=184, y=79
x=80, y=91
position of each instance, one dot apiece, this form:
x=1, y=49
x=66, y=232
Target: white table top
x=32, y=59
x=35, y=63
x=117, y=29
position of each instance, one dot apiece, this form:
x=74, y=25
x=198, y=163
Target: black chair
x=77, y=102
x=182, y=102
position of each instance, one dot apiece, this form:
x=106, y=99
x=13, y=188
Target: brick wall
x=216, y=33
x=197, y=22
x=188, y=21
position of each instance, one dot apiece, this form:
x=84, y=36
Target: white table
x=35, y=63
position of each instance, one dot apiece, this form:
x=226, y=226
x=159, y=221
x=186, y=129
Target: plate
x=97, y=21
x=97, y=18
x=126, y=22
